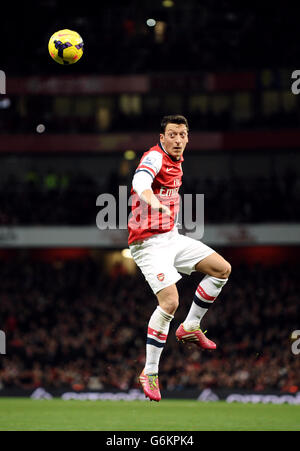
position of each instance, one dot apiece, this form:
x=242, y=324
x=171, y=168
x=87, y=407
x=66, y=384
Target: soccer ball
x=66, y=46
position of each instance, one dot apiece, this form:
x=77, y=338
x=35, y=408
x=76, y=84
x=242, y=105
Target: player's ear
x=161, y=137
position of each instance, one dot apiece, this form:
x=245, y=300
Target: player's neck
x=171, y=156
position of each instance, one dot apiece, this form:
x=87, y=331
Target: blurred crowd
x=70, y=199
x=188, y=35
x=188, y=38
x=218, y=111
x=71, y=325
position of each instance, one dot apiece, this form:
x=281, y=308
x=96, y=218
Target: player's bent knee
x=169, y=305
x=168, y=299
x=226, y=271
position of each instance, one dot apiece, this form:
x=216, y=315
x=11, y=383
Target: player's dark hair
x=173, y=119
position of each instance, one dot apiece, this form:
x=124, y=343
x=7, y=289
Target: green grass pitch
x=18, y=414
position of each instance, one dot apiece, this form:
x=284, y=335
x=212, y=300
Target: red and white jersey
x=166, y=173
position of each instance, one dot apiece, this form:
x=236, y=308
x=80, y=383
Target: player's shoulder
x=154, y=152
x=153, y=158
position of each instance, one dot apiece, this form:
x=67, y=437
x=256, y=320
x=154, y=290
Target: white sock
x=207, y=291
x=158, y=329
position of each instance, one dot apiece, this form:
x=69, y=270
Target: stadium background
x=73, y=306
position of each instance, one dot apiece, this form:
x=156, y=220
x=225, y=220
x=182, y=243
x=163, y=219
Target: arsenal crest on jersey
x=160, y=276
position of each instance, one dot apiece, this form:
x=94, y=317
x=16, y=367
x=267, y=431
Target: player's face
x=175, y=139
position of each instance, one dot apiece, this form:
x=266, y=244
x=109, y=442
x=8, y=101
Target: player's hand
x=165, y=209
x=149, y=197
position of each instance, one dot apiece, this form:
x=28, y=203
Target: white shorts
x=162, y=256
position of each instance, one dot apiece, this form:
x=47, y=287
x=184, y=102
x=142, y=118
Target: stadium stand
x=77, y=324
x=73, y=326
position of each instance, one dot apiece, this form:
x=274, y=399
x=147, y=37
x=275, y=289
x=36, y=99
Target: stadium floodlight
x=151, y=22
